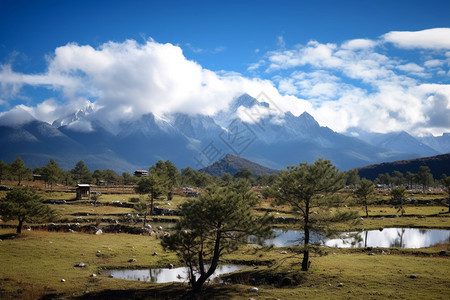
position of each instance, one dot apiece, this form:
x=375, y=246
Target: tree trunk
x=19, y=227
x=151, y=204
x=305, y=262
x=367, y=211
x=198, y=284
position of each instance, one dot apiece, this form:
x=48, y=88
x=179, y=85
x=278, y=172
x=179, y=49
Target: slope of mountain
x=439, y=143
x=233, y=164
x=439, y=164
x=398, y=141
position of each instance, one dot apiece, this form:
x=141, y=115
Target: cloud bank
x=357, y=83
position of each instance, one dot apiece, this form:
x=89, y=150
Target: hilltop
x=232, y=164
x=439, y=164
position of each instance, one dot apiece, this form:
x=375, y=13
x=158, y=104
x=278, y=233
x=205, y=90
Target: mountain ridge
x=233, y=164
x=265, y=136
x=438, y=164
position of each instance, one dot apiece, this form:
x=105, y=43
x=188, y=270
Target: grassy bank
x=34, y=263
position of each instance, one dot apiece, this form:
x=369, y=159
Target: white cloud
x=358, y=84
x=411, y=67
x=432, y=63
x=358, y=44
x=355, y=84
x=436, y=38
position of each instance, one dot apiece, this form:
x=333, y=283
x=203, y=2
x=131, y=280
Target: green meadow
x=41, y=264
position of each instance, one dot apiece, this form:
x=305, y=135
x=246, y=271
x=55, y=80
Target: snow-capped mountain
x=79, y=114
x=248, y=128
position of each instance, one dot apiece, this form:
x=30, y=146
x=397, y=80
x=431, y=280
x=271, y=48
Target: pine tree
x=216, y=223
x=365, y=193
x=312, y=188
x=24, y=205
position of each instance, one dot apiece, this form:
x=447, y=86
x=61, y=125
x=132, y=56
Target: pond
x=388, y=237
x=162, y=275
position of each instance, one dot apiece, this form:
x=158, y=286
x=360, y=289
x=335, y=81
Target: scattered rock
x=154, y=254
x=253, y=289
x=111, y=276
x=340, y=284
x=93, y=275
x=170, y=266
x=99, y=232
x=132, y=260
x=283, y=252
x=98, y=251
x=63, y=280
x=148, y=226
x=412, y=276
x=371, y=253
x=442, y=252
x=159, y=228
x=380, y=229
x=80, y=265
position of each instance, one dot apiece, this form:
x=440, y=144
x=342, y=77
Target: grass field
x=33, y=264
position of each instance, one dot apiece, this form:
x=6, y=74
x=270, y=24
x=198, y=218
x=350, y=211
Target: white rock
x=253, y=289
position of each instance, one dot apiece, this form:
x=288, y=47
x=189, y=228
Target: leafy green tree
x=24, y=205
x=227, y=179
x=365, y=193
x=424, y=177
x=152, y=185
x=169, y=175
x=445, y=181
x=216, y=223
x=190, y=177
x=19, y=170
x=410, y=178
x=398, y=196
x=266, y=179
x=52, y=173
x=311, y=188
x=351, y=177
x=141, y=208
x=81, y=173
x=244, y=173
x=398, y=178
x=68, y=178
x=384, y=178
x=128, y=178
x=98, y=175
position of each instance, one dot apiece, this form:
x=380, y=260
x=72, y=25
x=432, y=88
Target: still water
x=388, y=237
x=162, y=275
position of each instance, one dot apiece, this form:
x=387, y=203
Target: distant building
x=37, y=177
x=140, y=173
x=83, y=190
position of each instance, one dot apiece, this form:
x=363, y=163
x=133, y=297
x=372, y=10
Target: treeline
x=423, y=179
x=53, y=174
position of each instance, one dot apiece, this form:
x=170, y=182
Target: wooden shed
x=83, y=191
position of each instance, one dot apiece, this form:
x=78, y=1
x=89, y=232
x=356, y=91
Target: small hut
x=83, y=190
x=140, y=173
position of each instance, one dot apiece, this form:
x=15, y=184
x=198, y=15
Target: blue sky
x=376, y=65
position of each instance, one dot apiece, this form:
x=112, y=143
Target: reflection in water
x=162, y=275
x=389, y=237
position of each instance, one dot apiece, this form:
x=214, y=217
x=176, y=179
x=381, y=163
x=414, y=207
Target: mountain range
x=248, y=128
